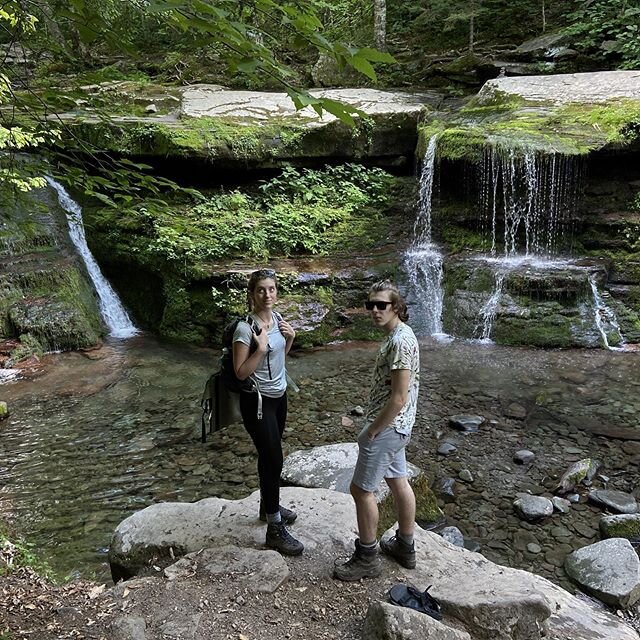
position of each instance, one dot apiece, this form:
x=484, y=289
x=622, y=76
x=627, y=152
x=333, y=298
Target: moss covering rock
x=621, y=526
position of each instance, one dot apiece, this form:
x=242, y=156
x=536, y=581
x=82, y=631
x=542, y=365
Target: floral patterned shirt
x=398, y=351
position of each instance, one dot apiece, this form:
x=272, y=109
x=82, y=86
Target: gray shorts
x=383, y=457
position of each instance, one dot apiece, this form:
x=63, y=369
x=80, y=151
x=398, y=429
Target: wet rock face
x=47, y=300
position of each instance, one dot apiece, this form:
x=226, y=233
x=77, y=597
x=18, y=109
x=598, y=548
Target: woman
x=259, y=351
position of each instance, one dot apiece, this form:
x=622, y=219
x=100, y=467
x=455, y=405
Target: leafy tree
x=609, y=30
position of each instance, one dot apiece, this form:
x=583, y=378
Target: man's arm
x=400, y=379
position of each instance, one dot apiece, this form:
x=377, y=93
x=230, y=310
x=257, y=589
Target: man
x=390, y=417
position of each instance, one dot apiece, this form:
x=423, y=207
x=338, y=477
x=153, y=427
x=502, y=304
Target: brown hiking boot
x=364, y=563
x=400, y=551
x=281, y=540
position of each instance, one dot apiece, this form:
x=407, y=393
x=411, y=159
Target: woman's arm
x=245, y=362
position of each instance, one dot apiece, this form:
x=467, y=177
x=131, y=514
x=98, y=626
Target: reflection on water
x=106, y=433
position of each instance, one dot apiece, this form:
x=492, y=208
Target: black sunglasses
x=380, y=305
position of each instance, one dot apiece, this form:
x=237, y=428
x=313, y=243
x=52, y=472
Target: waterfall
x=605, y=318
x=111, y=309
x=538, y=197
x=423, y=261
x=490, y=308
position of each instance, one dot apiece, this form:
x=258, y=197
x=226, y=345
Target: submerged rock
x=582, y=470
x=615, y=500
x=533, y=507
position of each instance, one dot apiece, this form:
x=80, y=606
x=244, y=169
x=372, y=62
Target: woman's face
x=265, y=294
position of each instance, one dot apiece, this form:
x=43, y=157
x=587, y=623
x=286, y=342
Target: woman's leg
x=266, y=436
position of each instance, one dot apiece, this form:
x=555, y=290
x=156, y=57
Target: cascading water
x=489, y=310
x=423, y=261
x=605, y=318
x=533, y=196
x=537, y=198
x=111, y=309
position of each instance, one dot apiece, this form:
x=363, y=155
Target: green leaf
x=373, y=55
x=363, y=66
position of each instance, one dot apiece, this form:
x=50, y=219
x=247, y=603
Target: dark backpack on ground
x=218, y=406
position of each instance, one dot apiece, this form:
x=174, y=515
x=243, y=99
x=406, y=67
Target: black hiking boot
x=364, y=563
x=400, y=551
x=281, y=540
x=287, y=516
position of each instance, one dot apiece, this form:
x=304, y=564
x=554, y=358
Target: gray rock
x=524, y=456
x=573, y=498
x=561, y=504
x=151, y=108
x=182, y=628
x=532, y=547
x=466, y=423
x=466, y=475
x=501, y=603
x=329, y=467
x=128, y=628
x=588, y=88
x=579, y=472
x=256, y=570
x=614, y=500
x=388, y=622
x=621, y=526
x=609, y=569
x=445, y=488
x=453, y=535
x=446, y=448
x=357, y=411
x=533, y=507
x=147, y=536
x=515, y=410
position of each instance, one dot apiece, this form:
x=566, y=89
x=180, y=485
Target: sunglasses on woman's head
x=380, y=305
x=263, y=273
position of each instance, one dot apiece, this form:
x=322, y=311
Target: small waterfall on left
x=423, y=261
x=113, y=313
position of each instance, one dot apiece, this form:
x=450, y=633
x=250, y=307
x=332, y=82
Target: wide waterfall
x=423, y=261
x=111, y=309
x=533, y=195
x=527, y=205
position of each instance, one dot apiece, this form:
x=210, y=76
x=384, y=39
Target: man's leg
x=401, y=546
x=405, y=501
x=366, y=514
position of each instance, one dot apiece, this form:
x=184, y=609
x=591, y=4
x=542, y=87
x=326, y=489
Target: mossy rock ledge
x=570, y=114
x=254, y=129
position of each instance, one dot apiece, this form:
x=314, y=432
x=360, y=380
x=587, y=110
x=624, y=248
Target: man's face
x=381, y=316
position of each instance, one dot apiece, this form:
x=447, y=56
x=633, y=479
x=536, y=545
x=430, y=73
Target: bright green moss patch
x=571, y=129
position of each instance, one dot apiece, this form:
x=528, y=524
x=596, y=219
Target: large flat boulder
x=562, y=88
x=500, y=603
x=483, y=599
x=161, y=532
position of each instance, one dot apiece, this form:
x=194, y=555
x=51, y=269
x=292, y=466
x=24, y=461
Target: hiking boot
x=364, y=563
x=400, y=551
x=287, y=516
x=281, y=540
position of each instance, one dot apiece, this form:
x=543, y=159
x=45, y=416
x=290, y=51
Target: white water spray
x=423, y=260
x=605, y=318
x=111, y=309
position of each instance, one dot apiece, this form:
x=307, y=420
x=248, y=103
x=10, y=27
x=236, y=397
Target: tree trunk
x=544, y=18
x=472, y=26
x=380, y=24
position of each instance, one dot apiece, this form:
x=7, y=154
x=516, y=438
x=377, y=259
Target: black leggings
x=267, y=437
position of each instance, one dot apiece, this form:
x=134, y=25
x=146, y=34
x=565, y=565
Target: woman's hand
x=262, y=340
x=286, y=330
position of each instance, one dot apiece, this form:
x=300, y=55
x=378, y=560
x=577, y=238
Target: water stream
x=605, y=318
x=113, y=313
x=105, y=433
x=423, y=261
